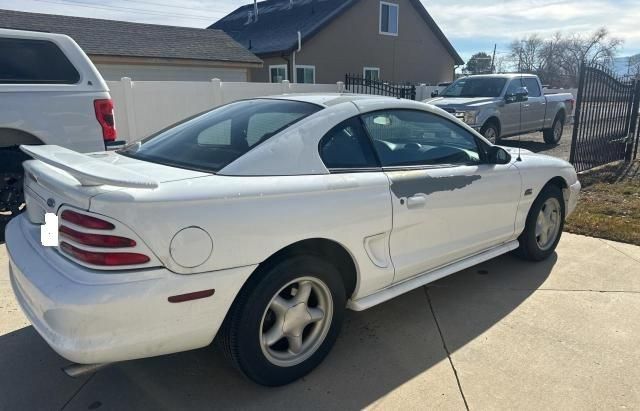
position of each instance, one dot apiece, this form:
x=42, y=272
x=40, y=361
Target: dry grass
x=609, y=205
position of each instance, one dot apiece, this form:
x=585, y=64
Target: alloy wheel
x=296, y=321
x=548, y=224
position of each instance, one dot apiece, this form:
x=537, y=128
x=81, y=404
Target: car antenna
x=520, y=124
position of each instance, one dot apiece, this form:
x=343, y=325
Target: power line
x=118, y=8
x=169, y=5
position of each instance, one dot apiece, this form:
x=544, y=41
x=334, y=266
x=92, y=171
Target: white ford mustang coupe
x=261, y=221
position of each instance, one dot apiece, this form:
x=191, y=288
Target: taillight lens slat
x=86, y=221
x=97, y=240
x=104, y=259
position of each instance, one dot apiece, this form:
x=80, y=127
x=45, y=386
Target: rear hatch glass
x=211, y=141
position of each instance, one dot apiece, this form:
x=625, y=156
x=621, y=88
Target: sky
x=470, y=25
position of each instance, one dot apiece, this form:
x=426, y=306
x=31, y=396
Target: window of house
x=28, y=61
x=278, y=73
x=417, y=138
x=371, y=73
x=532, y=86
x=389, y=18
x=347, y=146
x=306, y=74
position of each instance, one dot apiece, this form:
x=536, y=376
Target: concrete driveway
x=562, y=334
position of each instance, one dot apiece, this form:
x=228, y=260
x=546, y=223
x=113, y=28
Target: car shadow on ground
x=379, y=351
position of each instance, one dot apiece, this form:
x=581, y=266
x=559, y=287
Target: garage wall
x=138, y=72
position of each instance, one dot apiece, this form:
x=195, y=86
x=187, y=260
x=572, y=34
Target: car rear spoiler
x=89, y=171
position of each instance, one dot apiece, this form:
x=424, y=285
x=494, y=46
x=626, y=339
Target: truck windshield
x=211, y=141
x=475, y=87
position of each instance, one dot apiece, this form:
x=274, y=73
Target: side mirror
x=435, y=93
x=498, y=155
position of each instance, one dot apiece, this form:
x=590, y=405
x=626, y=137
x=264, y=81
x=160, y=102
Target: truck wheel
x=285, y=320
x=490, y=132
x=554, y=134
x=11, y=183
x=544, y=225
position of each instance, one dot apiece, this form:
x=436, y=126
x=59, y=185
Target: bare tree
x=557, y=59
x=634, y=66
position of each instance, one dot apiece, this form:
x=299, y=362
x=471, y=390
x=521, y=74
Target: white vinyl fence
x=145, y=107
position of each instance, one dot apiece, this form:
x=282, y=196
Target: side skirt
x=428, y=277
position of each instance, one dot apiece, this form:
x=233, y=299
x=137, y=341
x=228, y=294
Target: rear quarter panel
x=251, y=218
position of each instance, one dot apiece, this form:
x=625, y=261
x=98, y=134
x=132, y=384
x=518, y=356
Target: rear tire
x=491, y=132
x=554, y=134
x=544, y=225
x=11, y=183
x=271, y=334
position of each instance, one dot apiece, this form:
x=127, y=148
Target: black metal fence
x=360, y=85
x=606, y=118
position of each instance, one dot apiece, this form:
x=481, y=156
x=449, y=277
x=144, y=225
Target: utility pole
x=493, y=59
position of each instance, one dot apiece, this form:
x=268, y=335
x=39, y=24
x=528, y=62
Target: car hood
x=462, y=102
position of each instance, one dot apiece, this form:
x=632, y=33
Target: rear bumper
x=114, y=145
x=91, y=317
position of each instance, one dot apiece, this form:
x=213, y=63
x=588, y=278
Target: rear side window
x=26, y=61
x=532, y=86
x=347, y=146
x=211, y=141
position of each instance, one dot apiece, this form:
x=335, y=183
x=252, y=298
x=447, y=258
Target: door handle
x=417, y=201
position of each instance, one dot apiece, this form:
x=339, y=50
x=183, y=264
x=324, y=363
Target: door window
x=416, y=138
x=532, y=86
x=514, y=86
x=28, y=61
x=347, y=146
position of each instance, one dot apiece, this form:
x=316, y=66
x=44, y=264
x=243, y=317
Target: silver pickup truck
x=502, y=105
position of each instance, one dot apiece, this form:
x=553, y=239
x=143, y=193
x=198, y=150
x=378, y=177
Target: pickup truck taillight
x=106, y=118
x=103, y=246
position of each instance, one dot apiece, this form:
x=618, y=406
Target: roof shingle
x=120, y=38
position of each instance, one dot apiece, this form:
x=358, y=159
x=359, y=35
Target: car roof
x=502, y=75
x=332, y=99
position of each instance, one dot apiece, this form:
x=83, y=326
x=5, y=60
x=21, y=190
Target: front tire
x=544, y=225
x=285, y=320
x=554, y=134
x=491, y=132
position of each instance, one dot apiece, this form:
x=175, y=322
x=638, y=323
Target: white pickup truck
x=50, y=93
x=503, y=105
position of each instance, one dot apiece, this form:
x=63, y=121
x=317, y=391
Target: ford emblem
x=51, y=202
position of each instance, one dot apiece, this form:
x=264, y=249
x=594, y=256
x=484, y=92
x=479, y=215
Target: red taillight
x=97, y=240
x=86, y=221
x=106, y=118
x=105, y=259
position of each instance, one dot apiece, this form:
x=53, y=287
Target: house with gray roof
x=146, y=51
x=319, y=41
